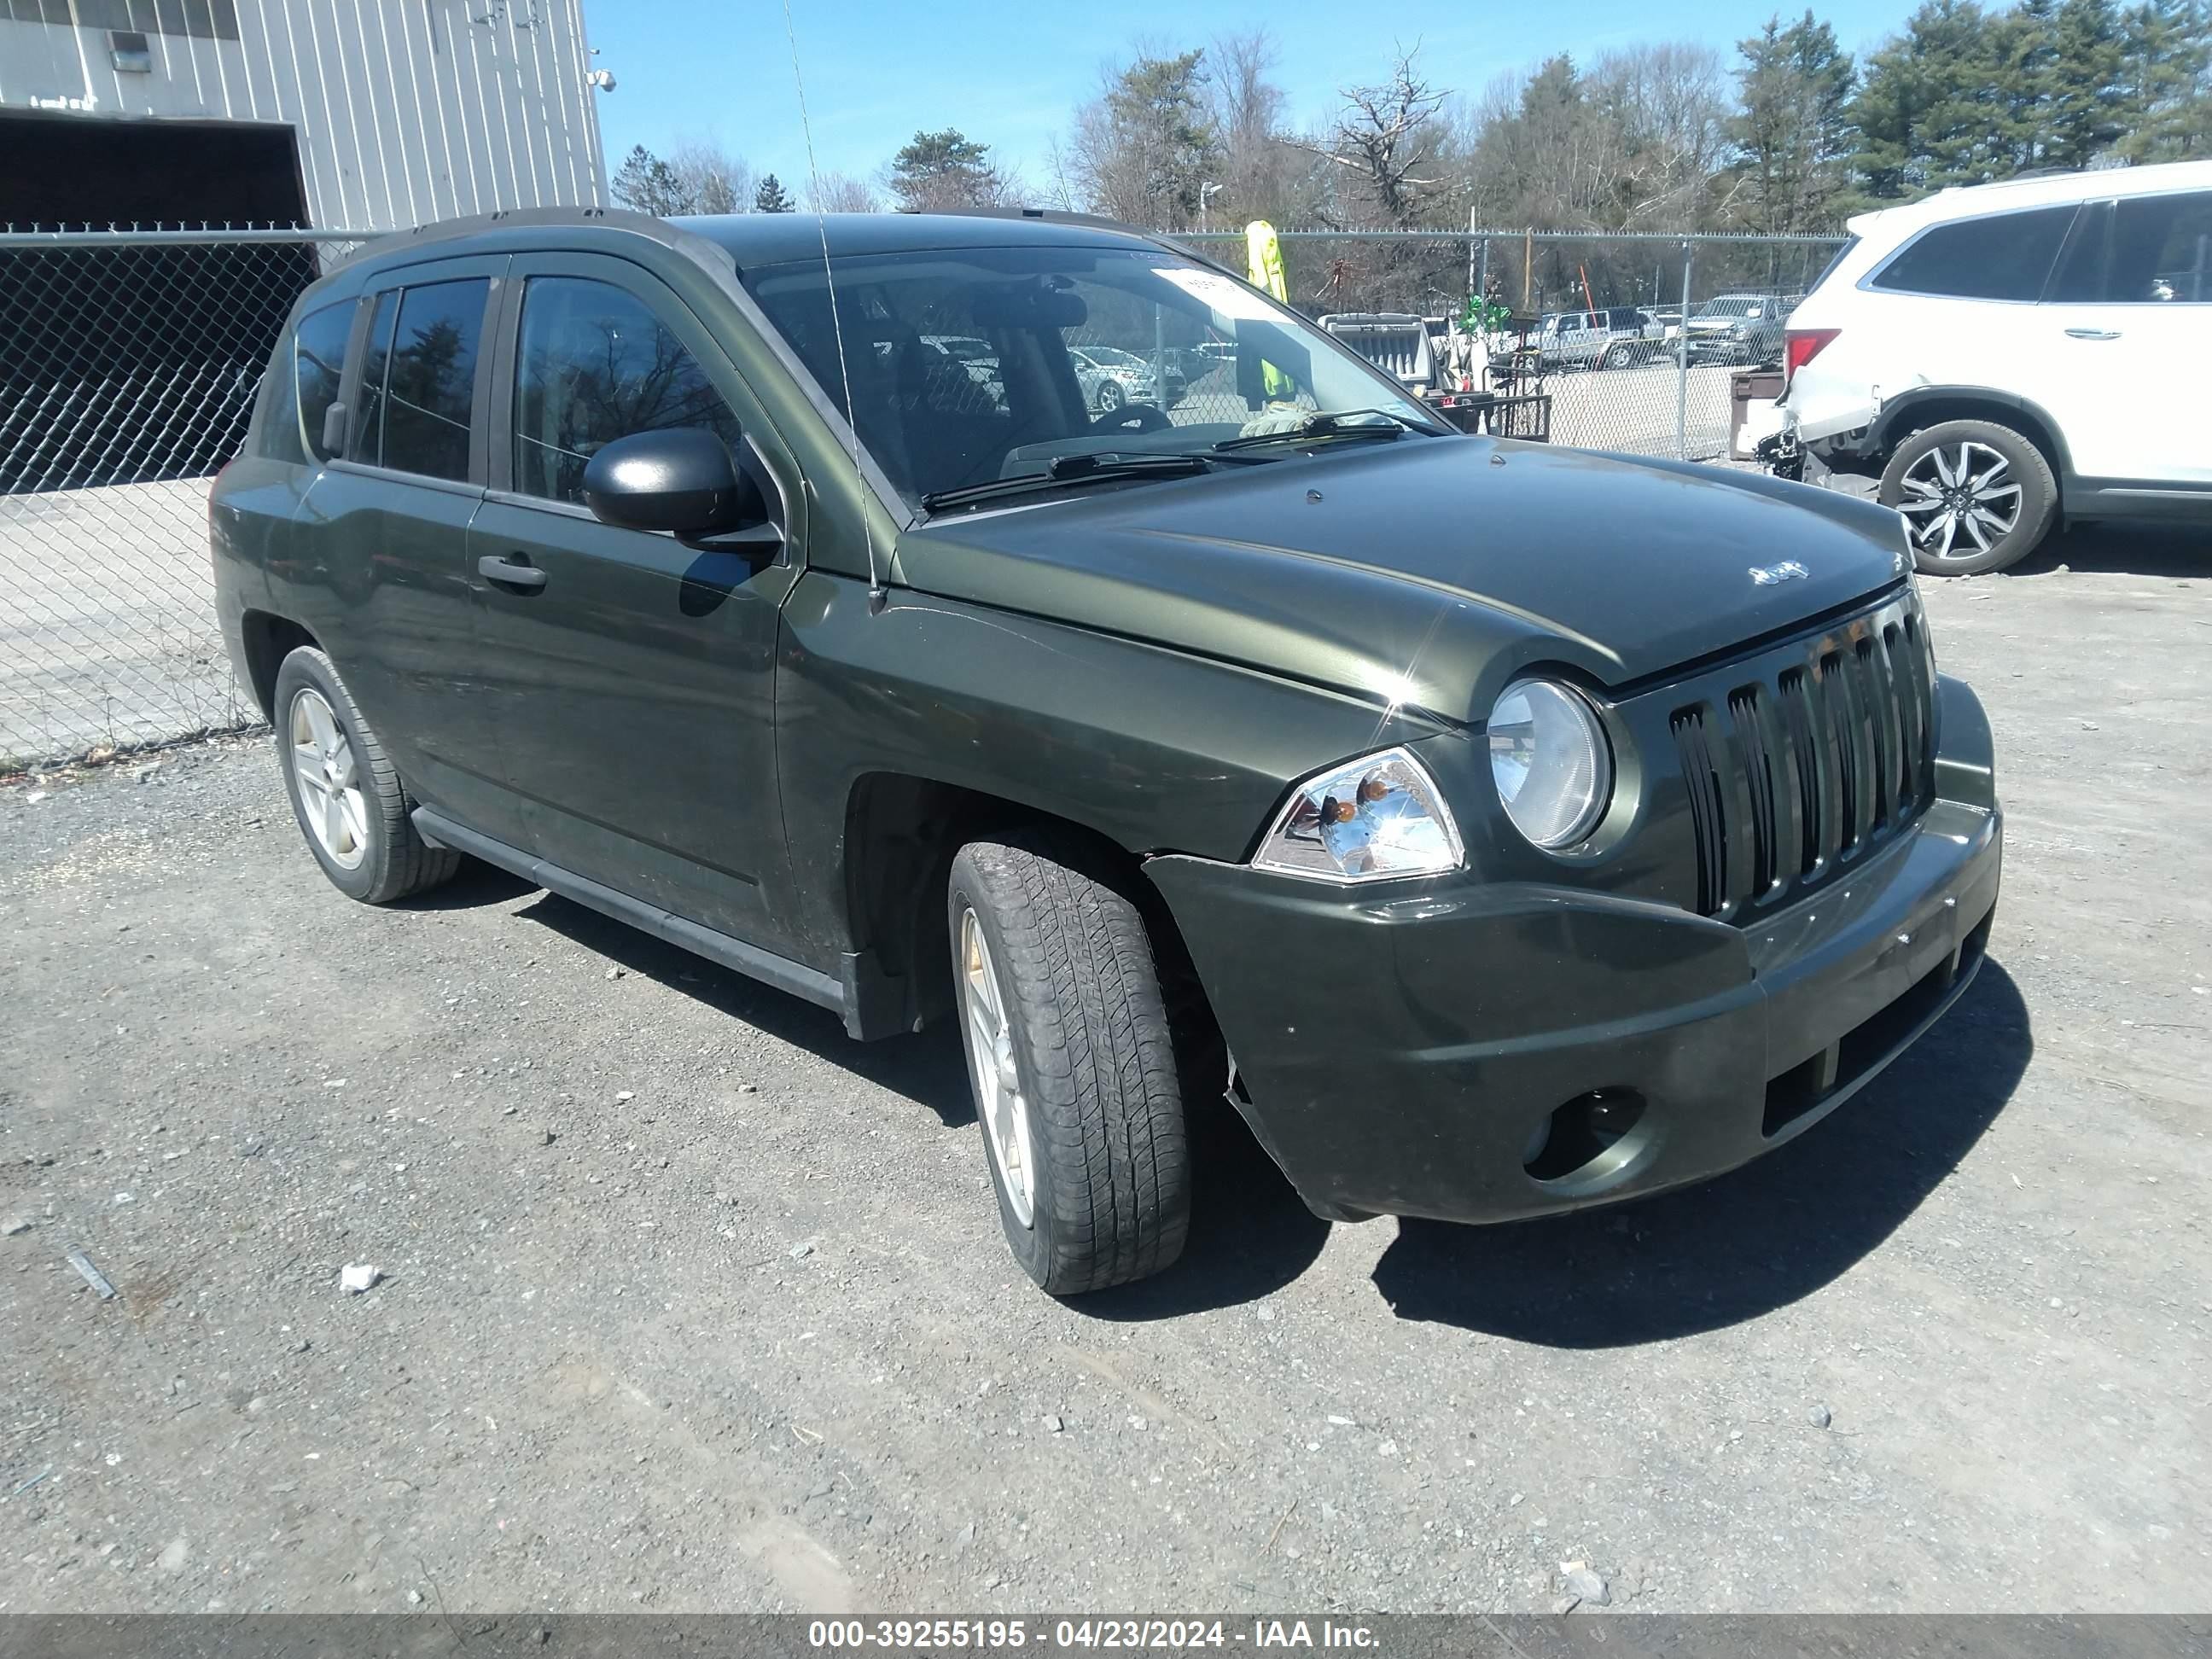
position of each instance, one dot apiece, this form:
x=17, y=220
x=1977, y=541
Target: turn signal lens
x=1368, y=820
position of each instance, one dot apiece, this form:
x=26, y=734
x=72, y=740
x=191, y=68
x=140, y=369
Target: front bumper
x=1402, y=1048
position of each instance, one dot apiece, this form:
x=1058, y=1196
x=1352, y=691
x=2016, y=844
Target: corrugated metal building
x=343, y=114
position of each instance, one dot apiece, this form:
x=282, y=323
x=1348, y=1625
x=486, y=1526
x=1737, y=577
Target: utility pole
x=1204, y=192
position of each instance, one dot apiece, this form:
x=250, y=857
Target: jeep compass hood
x=1373, y=571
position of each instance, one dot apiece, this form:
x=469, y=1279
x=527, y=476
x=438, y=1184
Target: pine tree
x=772, y=197
x=2086, y=107
x=648, y=183
x=945, y=169
x=1791, y=126
x=1929, y=112
x=1146, y=148
x=2166, y=68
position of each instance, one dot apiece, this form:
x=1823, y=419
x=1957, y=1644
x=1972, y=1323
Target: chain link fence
x=1633, y=336
x=129, y=364
x=130, y=361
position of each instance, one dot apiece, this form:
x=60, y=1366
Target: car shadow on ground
x=1249, y=1234
x=2179, y=552
x=1747, y=1242
x=928, y=1069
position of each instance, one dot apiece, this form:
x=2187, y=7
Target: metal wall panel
x=407, y=111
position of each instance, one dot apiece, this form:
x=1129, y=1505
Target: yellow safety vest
x=1263, y=268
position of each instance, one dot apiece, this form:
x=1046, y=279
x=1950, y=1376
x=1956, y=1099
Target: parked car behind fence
x=1617, y=337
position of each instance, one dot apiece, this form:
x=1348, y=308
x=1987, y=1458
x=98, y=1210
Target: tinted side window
x=2006, y=256
x=2162, y=250
x=317, y=360
x=594, y=364
x=433, y=377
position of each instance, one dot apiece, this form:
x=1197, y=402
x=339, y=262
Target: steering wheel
x=1132, y=417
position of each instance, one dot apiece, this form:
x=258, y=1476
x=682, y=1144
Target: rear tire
x=1072, y=1062
x=1616, y=357
x=1988, y=485
x=352, y=809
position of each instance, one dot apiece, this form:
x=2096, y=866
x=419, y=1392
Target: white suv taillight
x=1800, y=346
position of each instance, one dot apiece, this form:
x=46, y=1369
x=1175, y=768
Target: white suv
x=2015, y=355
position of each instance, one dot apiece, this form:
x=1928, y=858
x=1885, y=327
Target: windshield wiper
x=1336, y=424
x=1066, y=469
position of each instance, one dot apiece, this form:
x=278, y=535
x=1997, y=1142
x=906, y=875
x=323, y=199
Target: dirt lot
x=742, y=1333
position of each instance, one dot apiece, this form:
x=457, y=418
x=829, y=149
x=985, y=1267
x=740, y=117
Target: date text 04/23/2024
x=1004, y=1633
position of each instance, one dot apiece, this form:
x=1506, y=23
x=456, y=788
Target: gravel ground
x=689, y=1303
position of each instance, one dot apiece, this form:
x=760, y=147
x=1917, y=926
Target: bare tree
x=1640, y=139
x=710, y=179
x=1262, y=173
x=1668, y=107
x=1387, y=137
x=841, y=192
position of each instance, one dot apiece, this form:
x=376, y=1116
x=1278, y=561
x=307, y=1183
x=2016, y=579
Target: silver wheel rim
x=1002, y=1106
x=323, y=763
x=1959, y=501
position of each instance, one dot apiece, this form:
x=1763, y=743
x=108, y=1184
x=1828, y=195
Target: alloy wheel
x=990, y=1037
x=1959, y=489
x=329, y=776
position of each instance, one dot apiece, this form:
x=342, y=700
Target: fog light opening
x=1578, y=1135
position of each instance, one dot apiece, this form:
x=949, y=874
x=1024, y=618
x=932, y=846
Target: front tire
x=1975, y=496
x=1072, y=1062
x=1111, y=397
x=352, y=809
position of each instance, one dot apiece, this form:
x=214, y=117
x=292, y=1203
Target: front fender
x=1155, y=749
x=1965, y=760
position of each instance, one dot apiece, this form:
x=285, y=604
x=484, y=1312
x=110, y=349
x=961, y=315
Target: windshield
x=1094, y=351
x=1730, y=308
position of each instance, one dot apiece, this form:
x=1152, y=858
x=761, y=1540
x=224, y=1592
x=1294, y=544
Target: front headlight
x=1368, y=820
x=1550, y=759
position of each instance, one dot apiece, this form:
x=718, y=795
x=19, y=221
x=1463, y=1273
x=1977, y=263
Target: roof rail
x=1048, y=216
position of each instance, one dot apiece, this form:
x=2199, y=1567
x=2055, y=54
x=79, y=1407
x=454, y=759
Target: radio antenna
x=876, y=595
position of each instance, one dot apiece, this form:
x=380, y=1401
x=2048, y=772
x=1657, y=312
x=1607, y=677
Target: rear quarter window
x=302, y=384
x=2001, y=256
x=317, y=365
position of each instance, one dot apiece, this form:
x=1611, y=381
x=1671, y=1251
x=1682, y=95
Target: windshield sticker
x=1228, y=297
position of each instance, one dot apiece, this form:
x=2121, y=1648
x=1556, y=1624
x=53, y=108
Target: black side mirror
x=681, y=479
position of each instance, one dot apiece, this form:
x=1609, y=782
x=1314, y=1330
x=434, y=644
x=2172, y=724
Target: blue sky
x=1011, y=76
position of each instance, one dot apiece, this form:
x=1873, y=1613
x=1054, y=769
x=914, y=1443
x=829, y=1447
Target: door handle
x=512, y=571
x=2092, y=334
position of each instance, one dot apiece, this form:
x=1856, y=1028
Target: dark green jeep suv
x=1503, y=828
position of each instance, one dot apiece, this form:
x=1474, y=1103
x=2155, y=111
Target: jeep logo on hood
x=1787, y=570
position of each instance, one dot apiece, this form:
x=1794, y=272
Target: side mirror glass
x=680, y=479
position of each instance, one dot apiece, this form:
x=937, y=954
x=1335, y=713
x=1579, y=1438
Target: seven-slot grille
x=1796, y=771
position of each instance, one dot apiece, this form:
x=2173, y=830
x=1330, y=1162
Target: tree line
x=1792, y=136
